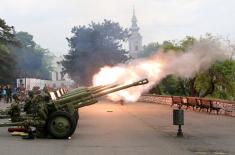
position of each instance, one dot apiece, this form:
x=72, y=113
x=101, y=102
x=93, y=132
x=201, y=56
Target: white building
x=56, y=74
x=135, y=39
x=58, y=78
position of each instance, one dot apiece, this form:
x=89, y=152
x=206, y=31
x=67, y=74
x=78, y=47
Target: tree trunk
x=192, y=89
x=210, y=90
x=182, y=86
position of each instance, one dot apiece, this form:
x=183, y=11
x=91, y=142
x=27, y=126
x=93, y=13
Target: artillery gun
x=20, y=111
x=58, y=118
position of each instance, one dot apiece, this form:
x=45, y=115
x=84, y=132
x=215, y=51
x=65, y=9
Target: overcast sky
x=50, y=21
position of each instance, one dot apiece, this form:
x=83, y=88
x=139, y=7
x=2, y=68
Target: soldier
x=14, y=95
x=1, y=88
x=45, y=88
x=28, y=103
x=4, y=93
x=14, y=112
x=9, y=93
x=21, y=92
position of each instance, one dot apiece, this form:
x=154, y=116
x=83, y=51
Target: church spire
x=134, y=26
x=135, y=39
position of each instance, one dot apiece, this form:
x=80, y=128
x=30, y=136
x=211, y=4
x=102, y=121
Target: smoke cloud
x=198, y=57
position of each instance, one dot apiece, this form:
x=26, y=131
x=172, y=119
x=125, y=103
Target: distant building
x=56, y=74
x=58, y=78
x=135, y=39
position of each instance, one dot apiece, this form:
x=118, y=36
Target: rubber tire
x=78, y=114
x=68, y=117
x=76, y=117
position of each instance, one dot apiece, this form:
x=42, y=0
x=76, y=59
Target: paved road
x=136, y=128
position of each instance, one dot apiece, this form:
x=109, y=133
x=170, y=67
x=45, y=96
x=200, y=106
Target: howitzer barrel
x=7, y=124
x=103, y=88
x=90, y=89
x=25, y=123
x=85, y=99
x=83, y=88
x=94, y=88
x=82, y=95
x=76, y=89
x=141, y=82
x=89, y=100
x=4, y=116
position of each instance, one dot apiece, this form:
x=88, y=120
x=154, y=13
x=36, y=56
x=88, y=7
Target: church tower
x=135, y=39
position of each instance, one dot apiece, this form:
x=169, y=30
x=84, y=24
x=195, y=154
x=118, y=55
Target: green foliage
x=6, y=33
x=178, y=46
x=25, y=39
x=187, y=42
x=170, y=85
x=149, y=50
x=6, y=66
x=21, y=56
x=202, y=82
x=7, y=62
x=32, y=60
x=218, y=81
x=92, y=47
x=170, y=45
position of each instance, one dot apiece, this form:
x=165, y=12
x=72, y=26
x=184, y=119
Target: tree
x=7, y=63
x=180, y=46
x=7, y=35
x=218, y=81
x=172, y=85
x=170, y=45
x=148, y=50
x=92, y=47
x=21, y=56
x=31, y=59
x=186, y=42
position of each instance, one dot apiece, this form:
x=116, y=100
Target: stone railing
x=150, y=98
x=227, y=107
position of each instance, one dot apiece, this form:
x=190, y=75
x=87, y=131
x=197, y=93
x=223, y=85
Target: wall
x=227, y=107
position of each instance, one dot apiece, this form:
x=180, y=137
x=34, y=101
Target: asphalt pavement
x=109, y=128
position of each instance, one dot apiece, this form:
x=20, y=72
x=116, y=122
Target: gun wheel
x=76, y=114
x=61, y=125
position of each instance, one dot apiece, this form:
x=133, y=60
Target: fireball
x=127, y=73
